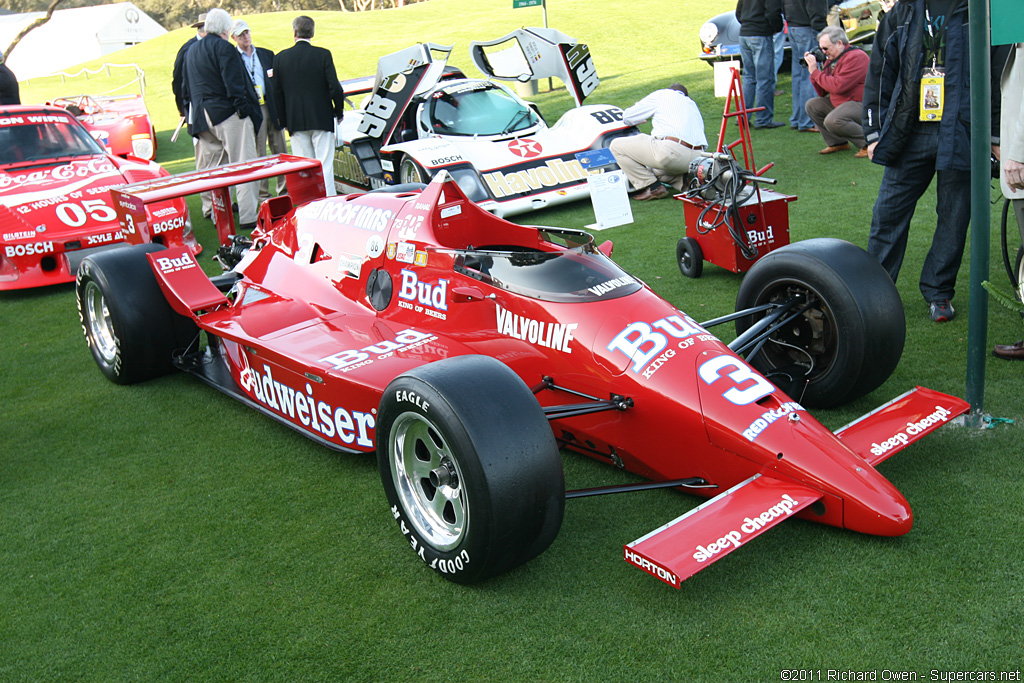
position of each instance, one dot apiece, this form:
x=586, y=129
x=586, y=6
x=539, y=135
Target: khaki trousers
x=647, y=160
x=230, y=141
x=268, y=134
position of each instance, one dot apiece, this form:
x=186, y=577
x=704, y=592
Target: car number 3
x=75, y=215
x=713, y=369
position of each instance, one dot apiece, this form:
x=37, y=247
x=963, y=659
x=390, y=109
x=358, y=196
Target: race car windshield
x=23, y=140
x=578, y=273
x=477, y=109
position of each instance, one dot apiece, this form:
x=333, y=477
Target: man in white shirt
x=663, y=157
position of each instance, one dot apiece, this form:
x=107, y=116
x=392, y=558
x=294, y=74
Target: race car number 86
x=579, y=54
x=376, y=116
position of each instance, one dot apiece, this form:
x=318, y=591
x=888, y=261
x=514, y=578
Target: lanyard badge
x=932, y=93
x=933, y=77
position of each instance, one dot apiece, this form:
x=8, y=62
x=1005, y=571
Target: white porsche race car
x=421, y=117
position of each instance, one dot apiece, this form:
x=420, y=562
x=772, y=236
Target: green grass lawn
x=165, y=532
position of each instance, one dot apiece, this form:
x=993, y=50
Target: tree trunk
x=34, y=25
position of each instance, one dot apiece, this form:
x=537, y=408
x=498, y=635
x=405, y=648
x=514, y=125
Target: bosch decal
x=167, y=226
x=36, y=248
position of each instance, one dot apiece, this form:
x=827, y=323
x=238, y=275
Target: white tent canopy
x=74, y=36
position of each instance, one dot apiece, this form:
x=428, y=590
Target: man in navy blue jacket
x=759, y=21
x=917, y=124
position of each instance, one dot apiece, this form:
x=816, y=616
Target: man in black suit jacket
x=178, y=88
x=225, y=112
x=259, y=66
x=9, y=90
x=309, y=98
x=178, y=73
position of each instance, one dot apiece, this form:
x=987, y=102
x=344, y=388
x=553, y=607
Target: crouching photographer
x=837, y=74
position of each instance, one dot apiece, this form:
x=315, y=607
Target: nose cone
x=880, y=511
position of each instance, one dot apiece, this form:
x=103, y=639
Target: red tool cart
x=730, y=220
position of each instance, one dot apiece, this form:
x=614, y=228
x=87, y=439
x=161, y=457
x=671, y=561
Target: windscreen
x=39, y=136
x=578, y=273
x=476, y=108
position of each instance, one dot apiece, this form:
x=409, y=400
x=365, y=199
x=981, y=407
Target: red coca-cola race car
x=465, y=351
x=55, y=206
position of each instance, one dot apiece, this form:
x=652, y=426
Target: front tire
x=470, y=467
x=848, y=339
x=130, y=328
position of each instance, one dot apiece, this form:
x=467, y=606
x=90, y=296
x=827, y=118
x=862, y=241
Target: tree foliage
x=172, y=14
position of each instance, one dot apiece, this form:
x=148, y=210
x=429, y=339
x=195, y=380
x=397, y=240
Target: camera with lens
x=818, y=53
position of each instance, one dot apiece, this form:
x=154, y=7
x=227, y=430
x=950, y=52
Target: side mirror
x=466, y=294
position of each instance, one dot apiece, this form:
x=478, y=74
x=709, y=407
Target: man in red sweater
x=839, y=83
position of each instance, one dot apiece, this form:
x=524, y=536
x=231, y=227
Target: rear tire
x=470, y=467
x=130, y=328
x=849, y=339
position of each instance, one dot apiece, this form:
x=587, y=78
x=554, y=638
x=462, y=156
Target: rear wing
x=530, y=54
x=305, y=178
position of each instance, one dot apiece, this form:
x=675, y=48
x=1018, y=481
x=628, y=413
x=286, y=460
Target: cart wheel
x=1020, y=274
x=690, y=257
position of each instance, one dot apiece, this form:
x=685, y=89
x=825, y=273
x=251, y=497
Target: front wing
x=709, y=532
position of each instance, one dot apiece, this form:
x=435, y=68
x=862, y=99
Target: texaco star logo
x=525, y=148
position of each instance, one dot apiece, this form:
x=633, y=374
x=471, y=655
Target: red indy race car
x=465, y=351
x=55, y=206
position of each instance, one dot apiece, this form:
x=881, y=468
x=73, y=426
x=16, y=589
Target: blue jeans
x=801, y=39
x=780, y=49
x=902, y=186
x=758, y=55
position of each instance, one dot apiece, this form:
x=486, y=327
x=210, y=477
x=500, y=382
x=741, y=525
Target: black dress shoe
x=247, y=226
x=1010, y=351
x=770, y=124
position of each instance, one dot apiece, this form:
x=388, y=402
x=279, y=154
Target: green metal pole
x=981, y=135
